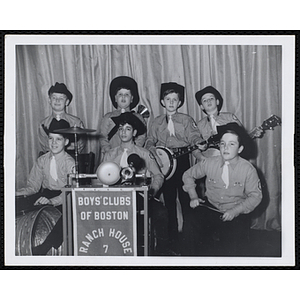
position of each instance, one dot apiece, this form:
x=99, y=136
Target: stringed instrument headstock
x=270, y=123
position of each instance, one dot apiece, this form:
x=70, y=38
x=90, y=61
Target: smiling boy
x=49, y=172
x=59, y=98
x=232, y=187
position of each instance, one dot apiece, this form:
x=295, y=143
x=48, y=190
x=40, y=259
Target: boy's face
x=58, y=102
x=123, y=98
x=230, y=146
x=126, y=132
x=209, y=102
x=57, y=143
x=171, y=102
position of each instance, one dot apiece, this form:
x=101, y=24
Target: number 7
x=106, y=248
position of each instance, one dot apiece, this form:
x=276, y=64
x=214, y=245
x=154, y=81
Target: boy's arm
x=151, y=141
x=157, y=177
x=140, y=140
x=34, y=181
x=43, y=138
x=104, y=131
x=189, y=176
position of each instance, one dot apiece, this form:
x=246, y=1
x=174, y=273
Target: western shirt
x=40, y=175
x=186, y=132
x=206, y=129
x=243, y=193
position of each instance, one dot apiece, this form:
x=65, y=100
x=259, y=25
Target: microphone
x=135, y=161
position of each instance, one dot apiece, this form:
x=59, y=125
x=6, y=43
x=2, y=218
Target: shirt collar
x=232, y=163
x=173, y=116
x=58, y=156
x=128, y=146
x=62, y=115
x=216, y=113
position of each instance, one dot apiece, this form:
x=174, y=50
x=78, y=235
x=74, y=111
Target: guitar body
x=168, y=161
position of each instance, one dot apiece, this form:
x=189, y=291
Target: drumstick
x=211, y=208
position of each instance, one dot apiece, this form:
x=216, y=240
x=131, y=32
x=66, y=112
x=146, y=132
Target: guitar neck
x=183, y=152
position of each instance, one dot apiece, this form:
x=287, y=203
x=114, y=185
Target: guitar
x=168, y=157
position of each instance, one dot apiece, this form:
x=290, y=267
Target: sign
x=104, y=222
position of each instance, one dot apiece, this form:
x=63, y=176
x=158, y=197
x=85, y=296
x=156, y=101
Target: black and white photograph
x=149, y=150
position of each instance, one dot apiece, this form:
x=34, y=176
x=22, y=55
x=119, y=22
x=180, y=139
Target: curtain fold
x=247, y=76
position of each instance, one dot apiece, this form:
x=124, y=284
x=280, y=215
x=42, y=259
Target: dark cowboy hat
x=211, y=90
x=55, y=125
x=62, y=89
x=172, y=86
x=249, y=150
x=127, y=83
x=129, y=118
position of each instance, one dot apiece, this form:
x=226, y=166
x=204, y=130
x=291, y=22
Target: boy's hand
x=229, y=215
x=195, y=202
x=258, y=132
x=42, y=200
x=202, y=146
x=19, y=193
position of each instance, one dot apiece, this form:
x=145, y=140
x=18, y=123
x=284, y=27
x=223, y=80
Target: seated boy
x=48, y=175
x=129, y=127
x=232, y=191
x=175, y=131
x=124, y=96
x=59, y=98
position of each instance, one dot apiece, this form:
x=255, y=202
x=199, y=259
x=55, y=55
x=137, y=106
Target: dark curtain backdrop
x=248, y=77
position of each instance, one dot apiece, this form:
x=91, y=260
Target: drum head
x=169, y=163
x=108, y=173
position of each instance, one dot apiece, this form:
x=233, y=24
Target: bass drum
x=33, y=227
x=168, y=161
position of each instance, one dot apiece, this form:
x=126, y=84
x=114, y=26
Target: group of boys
x=232, y=184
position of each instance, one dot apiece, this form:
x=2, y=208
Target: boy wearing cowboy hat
x=233, y=190
x=59, y=98
x=124, y=96
x=175, y=131
x=48, y=175
x=50, y=170
x=129, y=128
x=211, y=101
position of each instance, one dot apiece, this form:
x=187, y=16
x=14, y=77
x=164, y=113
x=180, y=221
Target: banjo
x=168, y=157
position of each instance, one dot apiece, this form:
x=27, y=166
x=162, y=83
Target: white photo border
x=288, y=196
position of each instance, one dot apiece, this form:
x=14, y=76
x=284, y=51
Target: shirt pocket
x=212, y=183
x=238, y=187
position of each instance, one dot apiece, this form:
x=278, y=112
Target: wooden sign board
x=104, y=222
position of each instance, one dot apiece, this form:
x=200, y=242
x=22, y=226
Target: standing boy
x=130, y=127
x=232, y=191
x=175, y=131
x=124, y=96
x=59, y=98
x=48, y=175
x=211, y=102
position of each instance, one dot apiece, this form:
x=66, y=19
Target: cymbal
x=74, y=130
